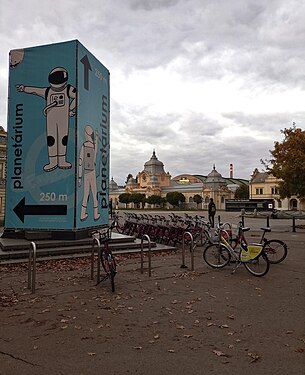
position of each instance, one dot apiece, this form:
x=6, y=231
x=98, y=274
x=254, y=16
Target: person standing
x=212, y=212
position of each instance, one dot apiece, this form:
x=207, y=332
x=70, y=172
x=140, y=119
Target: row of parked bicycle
x=164, y=230
x=221, y=246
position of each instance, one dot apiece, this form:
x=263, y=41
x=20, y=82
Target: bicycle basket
x=251, y=252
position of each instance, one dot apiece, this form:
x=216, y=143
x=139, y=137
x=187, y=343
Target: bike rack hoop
x=32, y=267
x=191, y=249
x=149, y=254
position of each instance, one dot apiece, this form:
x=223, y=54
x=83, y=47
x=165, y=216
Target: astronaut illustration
x=86, y=170
x=60, y=104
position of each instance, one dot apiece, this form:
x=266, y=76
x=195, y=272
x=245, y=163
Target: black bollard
x=242, y=220
x=267, y=221
x=293, y=224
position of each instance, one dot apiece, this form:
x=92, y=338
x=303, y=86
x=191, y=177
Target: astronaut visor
x=58, y=77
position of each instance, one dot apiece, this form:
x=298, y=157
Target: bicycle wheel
x=258, y=266
x=216, y=255
x=276, y=250
x=109, y=266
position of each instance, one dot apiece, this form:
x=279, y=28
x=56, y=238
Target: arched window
x=222, y=199
x=293, y=204
x=206, y=200
x=191, y=200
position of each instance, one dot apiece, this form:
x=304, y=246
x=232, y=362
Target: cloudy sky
x=202, y=82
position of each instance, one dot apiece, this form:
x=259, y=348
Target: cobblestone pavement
x=174, y=322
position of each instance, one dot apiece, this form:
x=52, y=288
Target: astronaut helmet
x=58, y=78
x=89, y=134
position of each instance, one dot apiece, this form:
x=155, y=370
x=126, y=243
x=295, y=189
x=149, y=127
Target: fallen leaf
x=221, y=354
x=254, y=357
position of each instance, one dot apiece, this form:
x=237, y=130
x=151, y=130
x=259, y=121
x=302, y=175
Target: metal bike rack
x=32, y=267
x=149, y=254
x=98, y=273
x=191, y=249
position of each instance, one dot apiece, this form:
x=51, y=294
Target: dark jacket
x=212, y=208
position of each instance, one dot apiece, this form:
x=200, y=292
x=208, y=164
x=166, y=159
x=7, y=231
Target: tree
x=174, y=198
x=242, y=192
x=137, y=198
x=197, y=199
x=124, y=198
x=128, y=178
x=288, y=162
x=155, y=199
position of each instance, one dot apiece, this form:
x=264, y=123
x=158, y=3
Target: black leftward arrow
x=87, y=67
x=23, y=209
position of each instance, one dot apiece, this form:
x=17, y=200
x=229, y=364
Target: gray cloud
x=255, y=45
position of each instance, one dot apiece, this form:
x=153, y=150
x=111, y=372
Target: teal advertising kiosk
x=58, y=141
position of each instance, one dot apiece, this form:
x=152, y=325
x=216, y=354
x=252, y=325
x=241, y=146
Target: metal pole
x=243, y=220
x=142, y=260
x=92, y=257
x=268, y=221
x=293, y=224
x=183, y=254
x=32, y=267
x=192, y=252
x=98, y=271
x=191, y=249
x=149, y=254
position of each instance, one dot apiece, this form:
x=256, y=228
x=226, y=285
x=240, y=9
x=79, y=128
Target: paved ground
x=175, y=322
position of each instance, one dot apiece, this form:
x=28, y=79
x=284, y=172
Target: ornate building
x=153, y=180
x=264, y=185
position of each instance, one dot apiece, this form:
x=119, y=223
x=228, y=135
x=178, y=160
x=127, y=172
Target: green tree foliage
x=124, y=198
x=174, y=198
x=137, y=198
x=242, y=192
x=197, y=199
x=155, y=199
x=288, y=162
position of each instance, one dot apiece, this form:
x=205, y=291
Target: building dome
x=132, y=181
x=154, y=165
x=113, y=185
x=214, y=180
